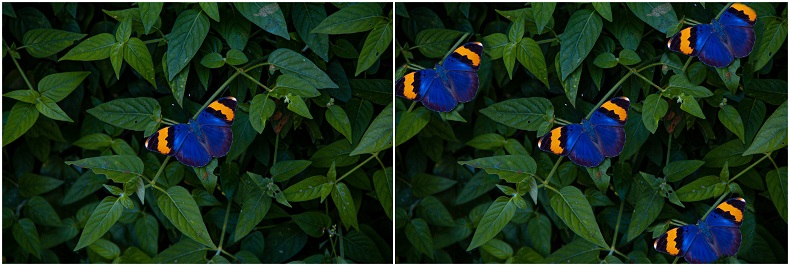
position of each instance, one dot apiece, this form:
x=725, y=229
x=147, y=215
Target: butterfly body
x=442, y=88
x=718, y=44
x=196, y=142
x=717, y=236
x=590, y=142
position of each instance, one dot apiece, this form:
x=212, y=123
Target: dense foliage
x=308, y=176
x=472, y=185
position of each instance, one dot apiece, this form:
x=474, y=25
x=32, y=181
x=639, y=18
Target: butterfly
x=195, y=143
x=717, y=44
x=587, y=144
x=717, y=236
x=442, y=88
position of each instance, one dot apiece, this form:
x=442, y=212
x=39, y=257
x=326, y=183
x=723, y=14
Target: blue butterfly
x=717, y=236
x=442, y=88
x=717, y=44
x=586, y=144
x=195, y=143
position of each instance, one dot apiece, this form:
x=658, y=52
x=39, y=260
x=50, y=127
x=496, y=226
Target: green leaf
x=653, y=109
x=434, y=212
x=512, y=168
x=255, y=206
x=599, y=176
x=539, y=232
x=58, y=86
x=290, y=62
x=573, y=208
x=336, y=152
x=261, y=109
x=577, y=251
x=691, y=106
x=730, y=118
x=769, y=42
x=523, y=113
x=435, y=43
x=425, y=184
x=499, y=214
x=361, y=248
x=213, y=60
x=20, y=119
x=772, y=135
x=352, y=19
x=382, y=182
x=542, y=12
x=516, y=31
x=677, y=170
x=729, y=76
x=284, y=170
x=211, y=10
x=149, y=13
x=377, y=42
x=147, y=232
x=235, y=57
x=234, y=29
x=378, y=136
x=87, y=184
x=267, y=16
x=410, y=124
x=495, y=44
x=306, y=16
x=105, y=249
x=282, y=243
x=341, y=196
x=498, y=248
x=136, y=54
x=307, y=189
x=298, y=106
x=646, y=209
x=604, y=9
x=771, y=91
x=680, y=85
x=509, y=58
x=312, y=223
x=116, y=58
x=337, y=117
x=578, y=39
x=489, y=141
x=477, y=186
x=49, y=108
x=378, y=91
x=701, y=189
x=660, y=16
x=419, y=235
x=605, y=60
x=32, y=184
x=45, y=42
x=28, y=96
x=629, y=57
x=124, y=30
x=94, y=48
x=288, y=83
x=189, y=30
x=139, y=114
x=26, y=236
x=119, y=168
x=530, y=56
x=185, y=251
x=103, y=217
x=206, y=175
x=41, y=212
x=776, y=180
x=571, y=84
x=181, y=209
x=731, y=152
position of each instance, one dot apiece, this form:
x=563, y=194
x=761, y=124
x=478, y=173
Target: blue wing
x=741, y=40
x=219, y=113
x=738, y=15
x=437, y=96
x=711, y=50
x=585, y=152
x=218, y=138
x=613, y=112
x=561, y=140
x=699, y=250
x=188, y=150
x=413, y=85
x=727, y=240
x=464, y=84
x=461, y=69
x=611, y=139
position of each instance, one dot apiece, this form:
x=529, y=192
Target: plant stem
x=216, y=93
x=767, y=155
x=276, y=144
x=457, y=43
x=669, y=147
x=357, y=167
x=255, y=81
x=645, y=79
x=159, y=173
x=617, y=228
x=553, y=169
x=609, y=94
x=21, y=72
x=224, y=226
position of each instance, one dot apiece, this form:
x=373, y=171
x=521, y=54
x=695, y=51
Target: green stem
x=685, y=66
x=411, y=106
x=767, y=155
x=645, y=79
x=153, y=41
x=621, y=254
x=676, y=260
x=168, y=120
x=562, y=121
x=609, y=94
x=358, y=166
x=617, y=227
x=546, y=41
x=721, y=198
x=255, y=81
x=276, y=145
x=159, y=173
x=457, y=43
x=669, y=147
x=224, y=226
x=229, y=255
x=216, y=93
x=553, y=169
x=649, y=66
x=21, y=72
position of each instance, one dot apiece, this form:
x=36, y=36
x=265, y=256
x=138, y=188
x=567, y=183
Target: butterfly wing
x=700, y=250
x=461, y=69
x=219, y=139
x=219, y=113
x=191, y=152
x=180, y=142
x=585, y=152
x=561, y=140
x=689, y=41
x=425, y=86
x=738, y=15
x=724, y=223
x=677, y=241
x=613, y=112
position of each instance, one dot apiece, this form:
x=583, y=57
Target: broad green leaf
x=660, y=16
x=352, y=19
x=377, y=42
x=731, y=152
x=730, y=118
x=20, y=119
x=105, y=249
x=646, y=209
x=691, y=106
x=599, y=176
x=306, y=16
x=185, y=251
x=570, y=84
x=677, y=170
x=213, y=60
x=307, y=189
x=234, y=29
x=772, y=135
x=119, y=168
x=94, y=48
x=282, y=243
x=147, y=233
x=124, y=30
x=605, y=60
x=495, y=218
x=116, y=58
x=103, y=217
x=136, y=54
x=284, y=170
x=267, y=16
x=149, y=13
x=604, y=9
x=378, y=136
x=776, y=180
x=477, y=186
x=629, y=57
x=435, y=43
x=680, y=85
x=701, y=189
x=770, y=41
x=337, y=117
x=573, y=208
x=419, y=235
x=207, y=176
x=341, y=196
x=139, y=114
x=298, y=106
x=180, y=208
x=235, y=57
x=526, y=254
x=87, y=184
x=382, y=182
x=434, y=212
x=498, y=248
x=539, y=232
x=337, y=152
x=531, y=57
x=211, y=10
x=361, y=248
x=729, y=76
x=516, y=31
x=288, y=83
x=26, y=236
x=410, y=124
x=577, y=251
x=58, y=86
x=178, y=83
x=28, y=96
x=290, y=62
x=578, y=39
x=495, y=44
x=45, y=42
x=312, y=223
x=425, y=184
x=771, y=91
x=512, y=168
x=524, y=113
x=542, y=13
x=41, y=212
x=49, y=108
x=653, y=109
x=255, y=206
x=189, y=30
x=8, y=10
x=509, y=58
x=33, y=184
x=489, y=141
x=261, y=109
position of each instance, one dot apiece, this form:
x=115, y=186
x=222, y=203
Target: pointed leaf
x=181, y=209
x=267, y=16
x=496, y=217
x=103, y=217
x=573, y=208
